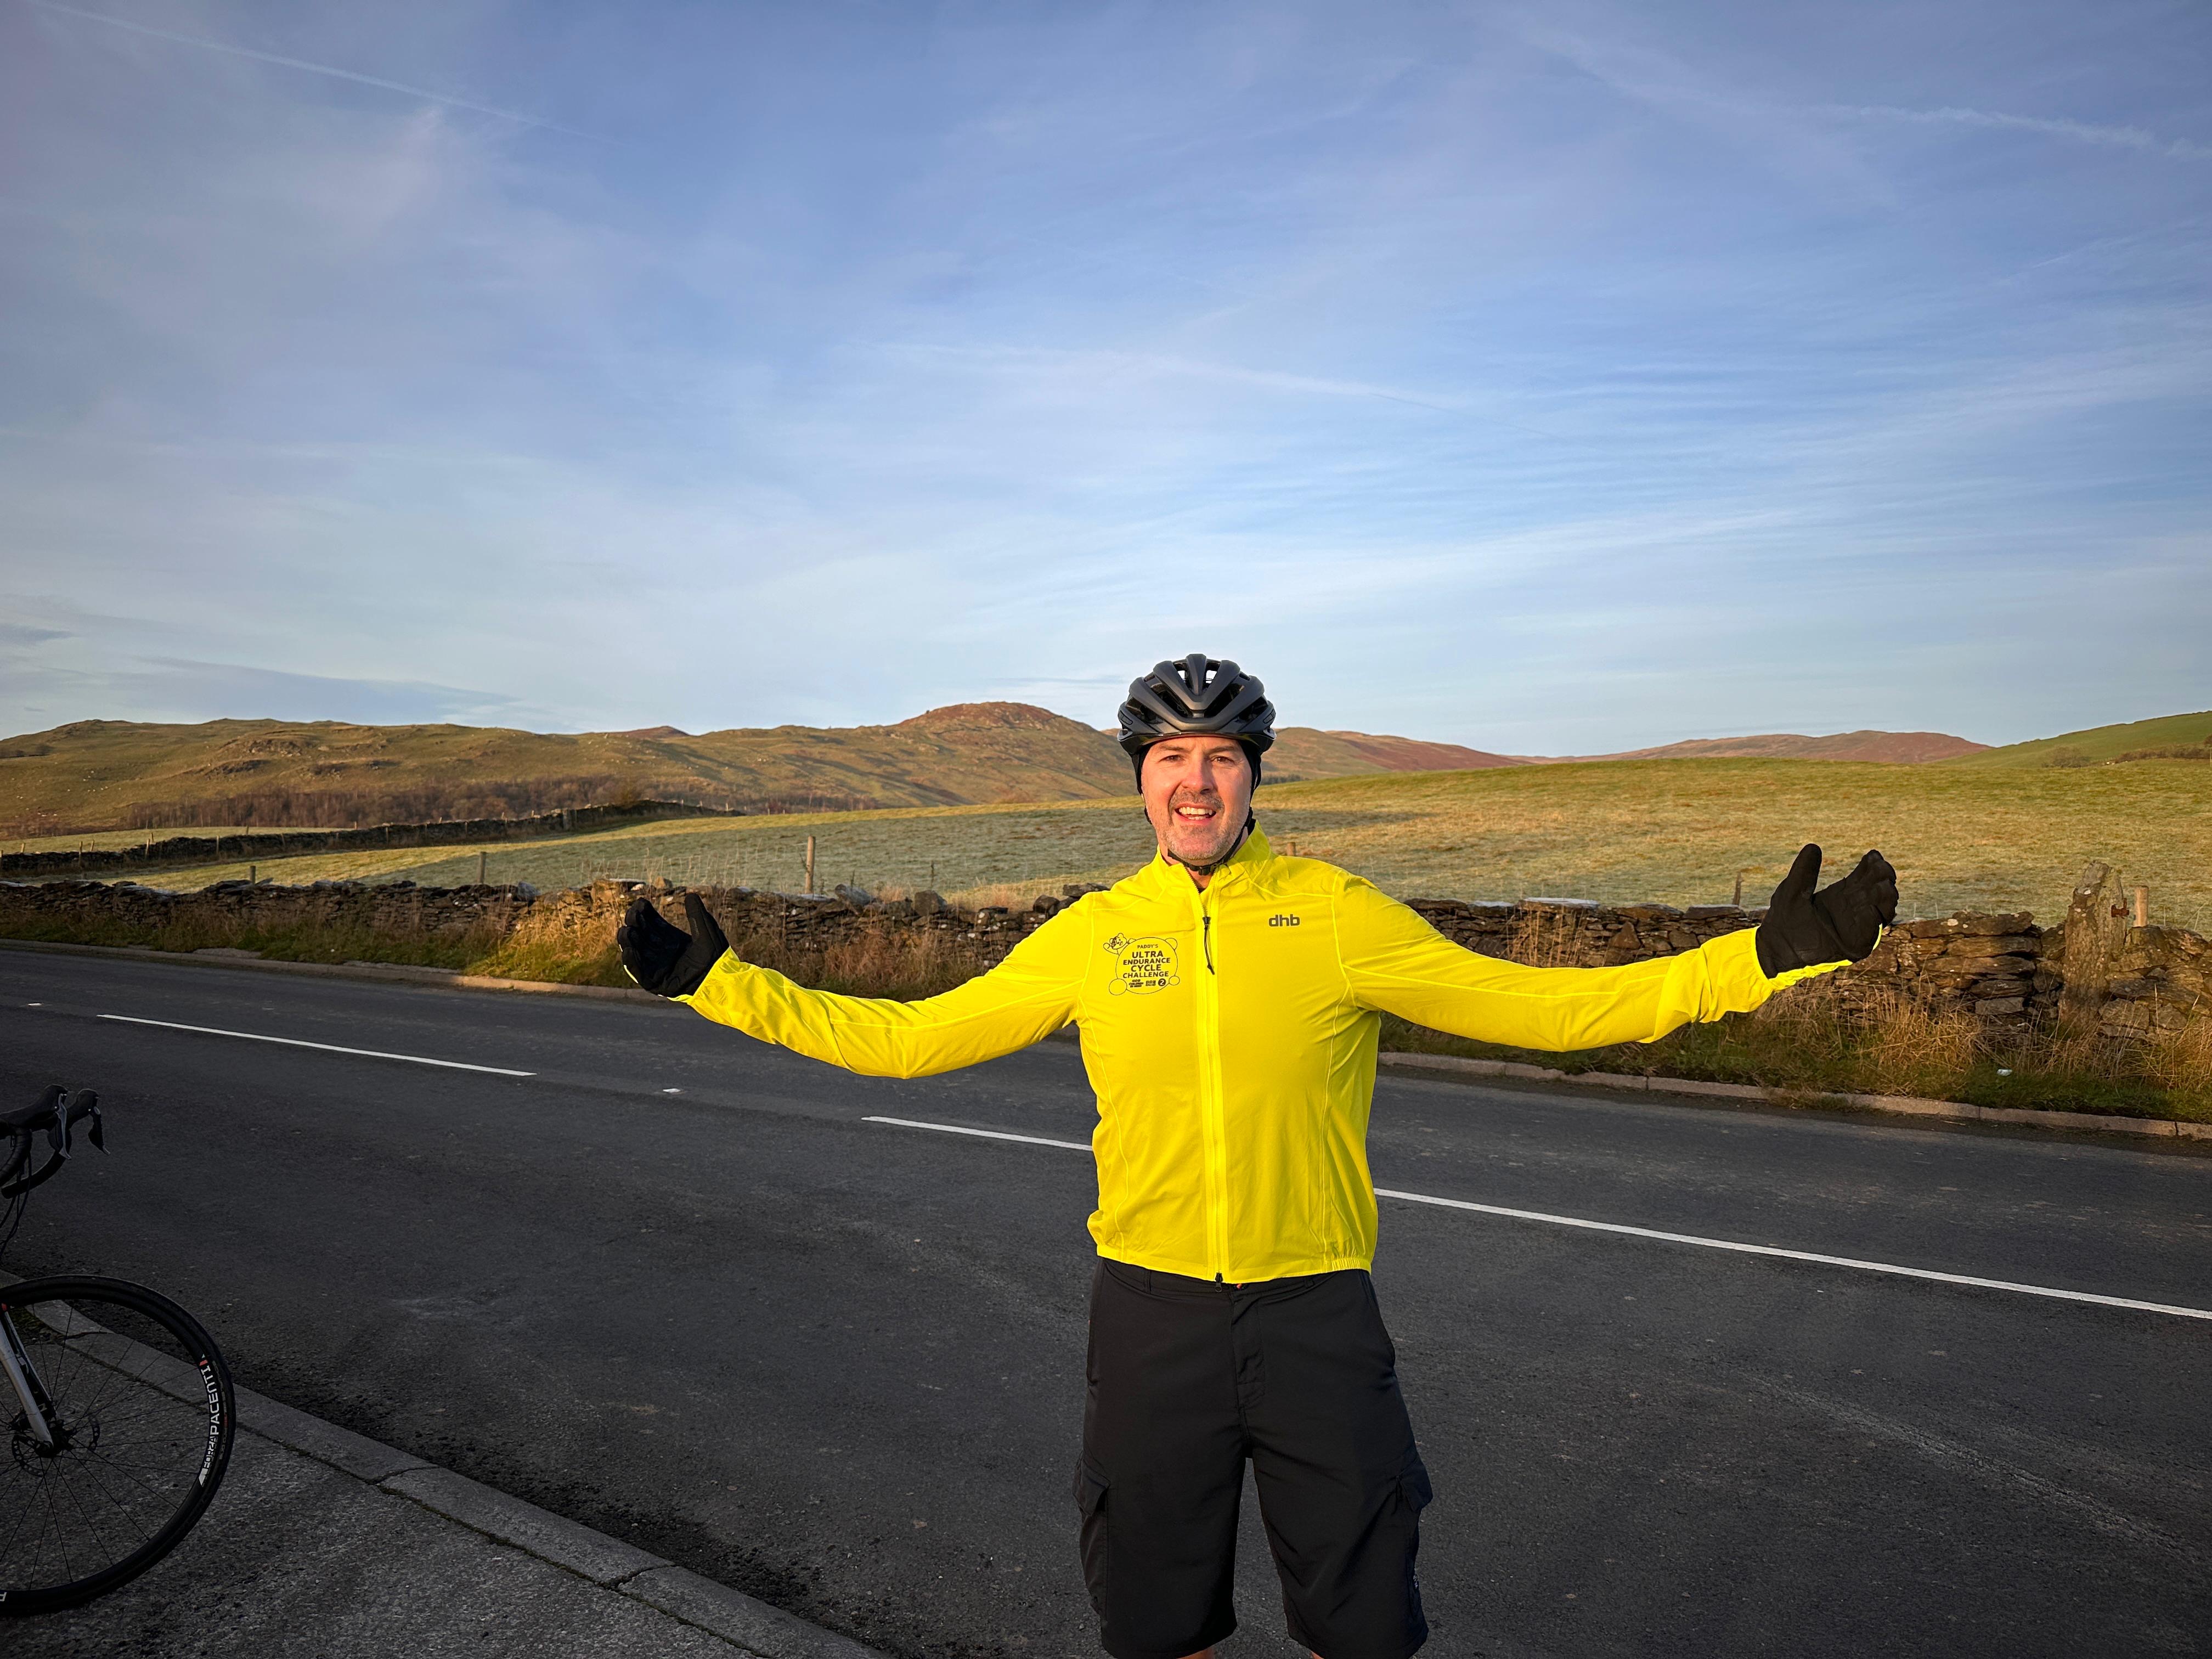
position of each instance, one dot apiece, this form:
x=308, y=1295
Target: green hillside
x=2100, y=742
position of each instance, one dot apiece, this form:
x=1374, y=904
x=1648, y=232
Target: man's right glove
x=1842, y=923
x=666, y=960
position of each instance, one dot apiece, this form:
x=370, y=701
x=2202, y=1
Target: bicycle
x=123, y=1406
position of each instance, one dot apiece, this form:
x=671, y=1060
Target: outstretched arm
x=1031, y=995
x=1395, y=962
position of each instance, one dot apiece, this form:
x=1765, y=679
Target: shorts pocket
x=1090, y=1488
x=1414, y=1489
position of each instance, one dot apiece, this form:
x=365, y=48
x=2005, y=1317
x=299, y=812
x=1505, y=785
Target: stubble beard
x=1221, y=841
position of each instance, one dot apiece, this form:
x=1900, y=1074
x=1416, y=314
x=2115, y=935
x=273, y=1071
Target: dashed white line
x=984, y=1134
x=327, y=1047
x=1663, y=1237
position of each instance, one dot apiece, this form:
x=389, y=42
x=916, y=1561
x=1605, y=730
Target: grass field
x=101, y=840
x=1963, y=837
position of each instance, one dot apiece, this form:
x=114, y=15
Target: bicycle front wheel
x=119, y=1420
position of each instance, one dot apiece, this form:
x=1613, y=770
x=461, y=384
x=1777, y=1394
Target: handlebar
x=55, y=1113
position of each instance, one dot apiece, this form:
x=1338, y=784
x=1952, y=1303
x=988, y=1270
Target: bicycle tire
x=145, y=1405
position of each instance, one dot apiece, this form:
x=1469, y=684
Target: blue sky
x=1553, y=379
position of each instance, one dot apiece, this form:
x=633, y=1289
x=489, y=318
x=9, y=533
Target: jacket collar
x=1163, y=878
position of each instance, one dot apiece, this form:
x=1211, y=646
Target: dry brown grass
x=576, y=947
x=1810, y=1044
x=2181, y=1062
x=1544, y=938
x=1908, y=1047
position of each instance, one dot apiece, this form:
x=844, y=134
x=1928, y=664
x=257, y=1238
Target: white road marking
x=1801, y=1256
x=328, y=1048
x=987, y=1134
x=1663, y=1237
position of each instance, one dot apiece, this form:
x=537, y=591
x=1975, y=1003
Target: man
x=1228, y=1002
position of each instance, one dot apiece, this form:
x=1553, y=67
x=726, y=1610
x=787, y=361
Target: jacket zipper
x=1210, y=1102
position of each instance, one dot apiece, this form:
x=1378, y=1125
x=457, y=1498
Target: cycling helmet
x=1198, y=696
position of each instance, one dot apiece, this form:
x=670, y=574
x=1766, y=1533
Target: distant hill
x=2106, y=743
x=1301, y=751
x=1905, y=748
x=96, y=775
x=121, y=775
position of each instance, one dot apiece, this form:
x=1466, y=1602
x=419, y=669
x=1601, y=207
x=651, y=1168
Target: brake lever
x=69, y=1112
x=86, y=1105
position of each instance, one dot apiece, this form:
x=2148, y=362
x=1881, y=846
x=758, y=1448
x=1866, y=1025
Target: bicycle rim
x=143, y=1408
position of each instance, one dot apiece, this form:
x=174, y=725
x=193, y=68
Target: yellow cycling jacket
x=1229, y=1035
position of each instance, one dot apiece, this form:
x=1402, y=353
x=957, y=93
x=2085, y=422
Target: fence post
x=2143, y=907
x=481, y=856
x=2096, y=932
x=810, y=864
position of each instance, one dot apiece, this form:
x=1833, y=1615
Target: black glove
x=667, y=960
x=1842, y=923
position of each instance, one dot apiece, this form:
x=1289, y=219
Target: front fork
x=38, y=1414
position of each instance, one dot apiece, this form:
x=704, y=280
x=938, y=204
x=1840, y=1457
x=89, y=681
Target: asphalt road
x=839, y=1364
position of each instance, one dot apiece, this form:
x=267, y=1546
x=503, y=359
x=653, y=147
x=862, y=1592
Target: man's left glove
x=1842, y=923
x=666, y=960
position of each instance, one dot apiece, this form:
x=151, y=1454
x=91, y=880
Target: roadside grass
x=1962, y=837
x=566, y=949
x=304, y=941
x=1801, y=1047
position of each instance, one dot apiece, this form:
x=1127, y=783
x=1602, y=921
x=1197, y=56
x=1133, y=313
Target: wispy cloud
x=2086, y=132
x=1605, y=382
x=16, y=634
x=332, y=70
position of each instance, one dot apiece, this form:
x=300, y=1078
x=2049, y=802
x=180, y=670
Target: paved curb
x=751, y=1625
x=1902, y=1105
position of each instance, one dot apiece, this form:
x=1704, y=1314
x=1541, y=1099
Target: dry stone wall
x=2098, y=971
x=173, y=851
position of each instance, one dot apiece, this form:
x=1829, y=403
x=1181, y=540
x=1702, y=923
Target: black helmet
x=1196, y=697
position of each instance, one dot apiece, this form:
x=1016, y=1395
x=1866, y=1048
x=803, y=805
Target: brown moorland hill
x=122, y=774
x=1899, y=748
x=1302, y=751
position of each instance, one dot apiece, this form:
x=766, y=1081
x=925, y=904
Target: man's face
x=1198, y=792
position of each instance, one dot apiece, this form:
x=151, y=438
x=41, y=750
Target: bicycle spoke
x=137, y=1463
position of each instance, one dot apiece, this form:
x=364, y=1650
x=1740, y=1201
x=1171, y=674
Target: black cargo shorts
x=1189, y=1378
